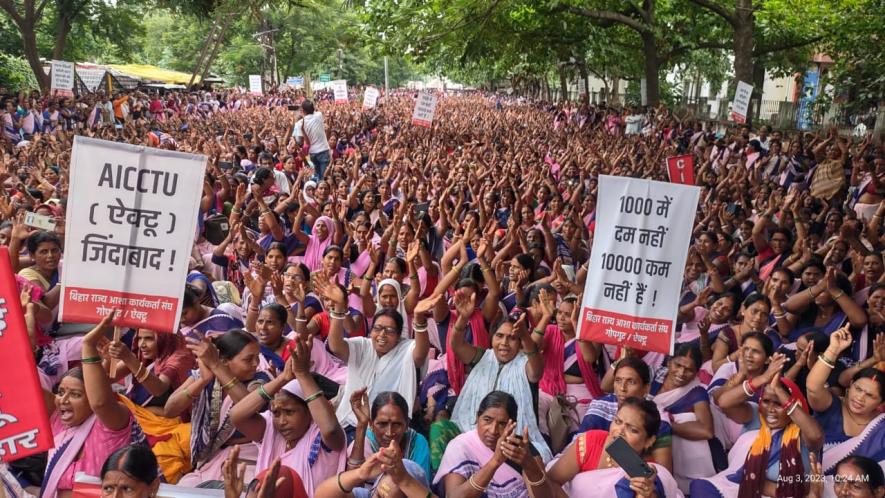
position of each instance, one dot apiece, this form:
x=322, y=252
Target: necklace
x=853, y=419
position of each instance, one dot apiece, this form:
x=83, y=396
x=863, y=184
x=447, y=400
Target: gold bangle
x=540, y=481
x=474, y=485
x=837, y=296
x=187, y=393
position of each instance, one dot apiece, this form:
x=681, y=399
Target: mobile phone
x=39, y=221
x=292, y=107
x=628, y=459
x=225, y=165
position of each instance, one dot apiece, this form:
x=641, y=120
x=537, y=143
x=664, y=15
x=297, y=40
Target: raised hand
x=99, y=332
x=425, y=305
x=359, y=403
x=234, y=474
x=465, y=302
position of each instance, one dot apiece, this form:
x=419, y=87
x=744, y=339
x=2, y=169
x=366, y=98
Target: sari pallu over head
x=304, y=457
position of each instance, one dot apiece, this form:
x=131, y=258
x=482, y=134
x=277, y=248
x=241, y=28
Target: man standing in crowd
x=311, y=128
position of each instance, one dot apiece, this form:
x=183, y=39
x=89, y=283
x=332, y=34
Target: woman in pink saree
x=299, y=427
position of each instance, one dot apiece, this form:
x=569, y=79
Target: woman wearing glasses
x=383, y=361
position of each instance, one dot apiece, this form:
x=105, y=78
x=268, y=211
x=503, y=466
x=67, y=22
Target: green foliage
x=16, y=74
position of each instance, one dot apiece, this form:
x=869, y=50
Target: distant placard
x=370, y=97
x=62, y=78
x=325, y=78
x=339, y=88
x=295, y=81
x=255, y=84
x=425, y=108
x=741, y=102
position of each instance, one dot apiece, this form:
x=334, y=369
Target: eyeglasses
x=381, y=329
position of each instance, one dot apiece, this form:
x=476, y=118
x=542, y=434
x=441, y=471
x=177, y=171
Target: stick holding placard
x=118, y=332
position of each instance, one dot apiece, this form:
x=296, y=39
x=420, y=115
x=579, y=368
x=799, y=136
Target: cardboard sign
x=339, y=88
x=24, y=424
x=631, y=297
x=370, y=97
x=681, y=169
x=62, y=76
x=255, y=87
x=741, y=102
x=425, y=108
x=134, y=216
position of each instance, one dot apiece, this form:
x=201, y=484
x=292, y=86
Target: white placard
x=255, y=84
x=339, y=88
x=370, y=97
x=634, y=281
x=62, y=78
x=425, y=108
x=133, y=217
x=741, y=102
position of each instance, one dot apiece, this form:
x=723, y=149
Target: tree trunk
x=218, y=40
x=61, y=37
x=758, y=84
x=743, y=41
x=586, y=78
x=650, y=54
x=563, y=84
x=29, y=46
x=209, y=41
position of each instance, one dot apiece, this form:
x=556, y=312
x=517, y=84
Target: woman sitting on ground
x=771, y=460
x=88, y=422
x=131, y=471
x=585, y=465
x=228, y=367
x=680, y=396
x=632, y=378
x=300, y=426
x=386, y=421
x=493, y=460
x=855, y=424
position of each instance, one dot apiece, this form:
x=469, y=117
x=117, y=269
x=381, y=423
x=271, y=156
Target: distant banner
x=741, y=102
x=133, y=219
x=24, y=424
x=295, y=81
x=681, y=169
x=62, y=78
x=425, y=108
x=339, y=88
x=370, y=97
x=255, y=84
x=643, y=229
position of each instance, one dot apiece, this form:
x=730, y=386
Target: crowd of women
x=395, y=314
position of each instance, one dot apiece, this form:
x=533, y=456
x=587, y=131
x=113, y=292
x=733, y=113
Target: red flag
x=681, y=169
x=24, y=424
